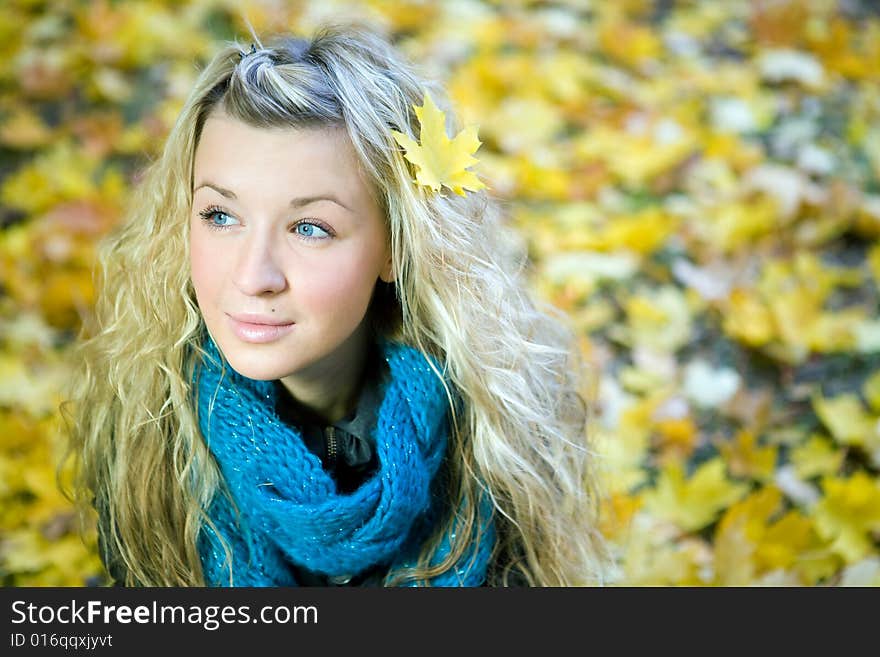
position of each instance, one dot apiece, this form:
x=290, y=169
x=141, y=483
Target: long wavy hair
x=521, y=434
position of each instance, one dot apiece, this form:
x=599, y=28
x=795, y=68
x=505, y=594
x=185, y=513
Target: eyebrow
x=298, y=202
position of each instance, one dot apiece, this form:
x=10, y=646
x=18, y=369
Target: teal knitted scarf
x=290, y=508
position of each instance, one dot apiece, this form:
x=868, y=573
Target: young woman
x=309, y=369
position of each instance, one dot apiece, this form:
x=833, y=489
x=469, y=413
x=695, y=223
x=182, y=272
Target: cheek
x=341, y=286
x=203, y=269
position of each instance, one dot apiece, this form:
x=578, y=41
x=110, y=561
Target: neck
x=330, y=386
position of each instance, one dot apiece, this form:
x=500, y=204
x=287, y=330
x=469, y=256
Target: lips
x=264, y=320
x=258, y=329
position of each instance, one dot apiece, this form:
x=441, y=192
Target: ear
x=387, y=273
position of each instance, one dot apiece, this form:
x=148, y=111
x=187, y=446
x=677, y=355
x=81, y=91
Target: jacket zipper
x=331, y=445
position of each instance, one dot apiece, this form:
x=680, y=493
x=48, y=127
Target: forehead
x=233, y=153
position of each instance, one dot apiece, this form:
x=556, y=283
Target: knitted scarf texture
x=290, y=508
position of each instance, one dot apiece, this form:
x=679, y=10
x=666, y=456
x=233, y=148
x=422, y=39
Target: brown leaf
x=778, y=22
x=750, y=407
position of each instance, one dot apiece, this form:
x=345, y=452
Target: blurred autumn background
x=697, y=183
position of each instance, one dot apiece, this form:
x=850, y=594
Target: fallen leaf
x=846, y=419
x=816, y=457
x=695, y=502
x=745, y=457
x=848, y=513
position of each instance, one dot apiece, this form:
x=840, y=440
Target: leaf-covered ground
x=697, y=185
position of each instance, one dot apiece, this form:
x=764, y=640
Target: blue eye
x=307, y=230
x=210, y=215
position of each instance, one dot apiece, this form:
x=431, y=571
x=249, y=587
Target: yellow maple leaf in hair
x=441, y=160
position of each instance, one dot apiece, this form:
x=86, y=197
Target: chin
x=253, y=364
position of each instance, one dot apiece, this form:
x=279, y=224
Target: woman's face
x=283, y=230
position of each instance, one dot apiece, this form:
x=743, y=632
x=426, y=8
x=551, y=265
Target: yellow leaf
x=794, y=311
x=796, y=292
x=408, y=16
x=749, y=545
x=746, y=458
x=733, y=544
x=656, y=557
x=441, y=161
x=640, y=381
x=783, y=541
x=738, y=224
x=622, y=462
x=748, y=319
x=24, y=550
x=643, y=232
x=728, y=148
x=35, y=389
x=734, y=559
x=871, y=391
x=66, y=296
x=64, y=172
x=523, y=125
x=816, y=457
x=636, y=159
x=752, y=513
x=848, y=513
x=24, y=129
x=694, y=503
x=822, y=278
x=817, y=565
x=630, y=43
x=678, y=437
x=617, y=514
x=846, y=419
x=874, y=262
x=674, y=564
x=537, y=180
x=658, y=319
x=842, y=330
x=18, y=431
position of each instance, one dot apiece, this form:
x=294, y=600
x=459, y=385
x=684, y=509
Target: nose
x=258, y=270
